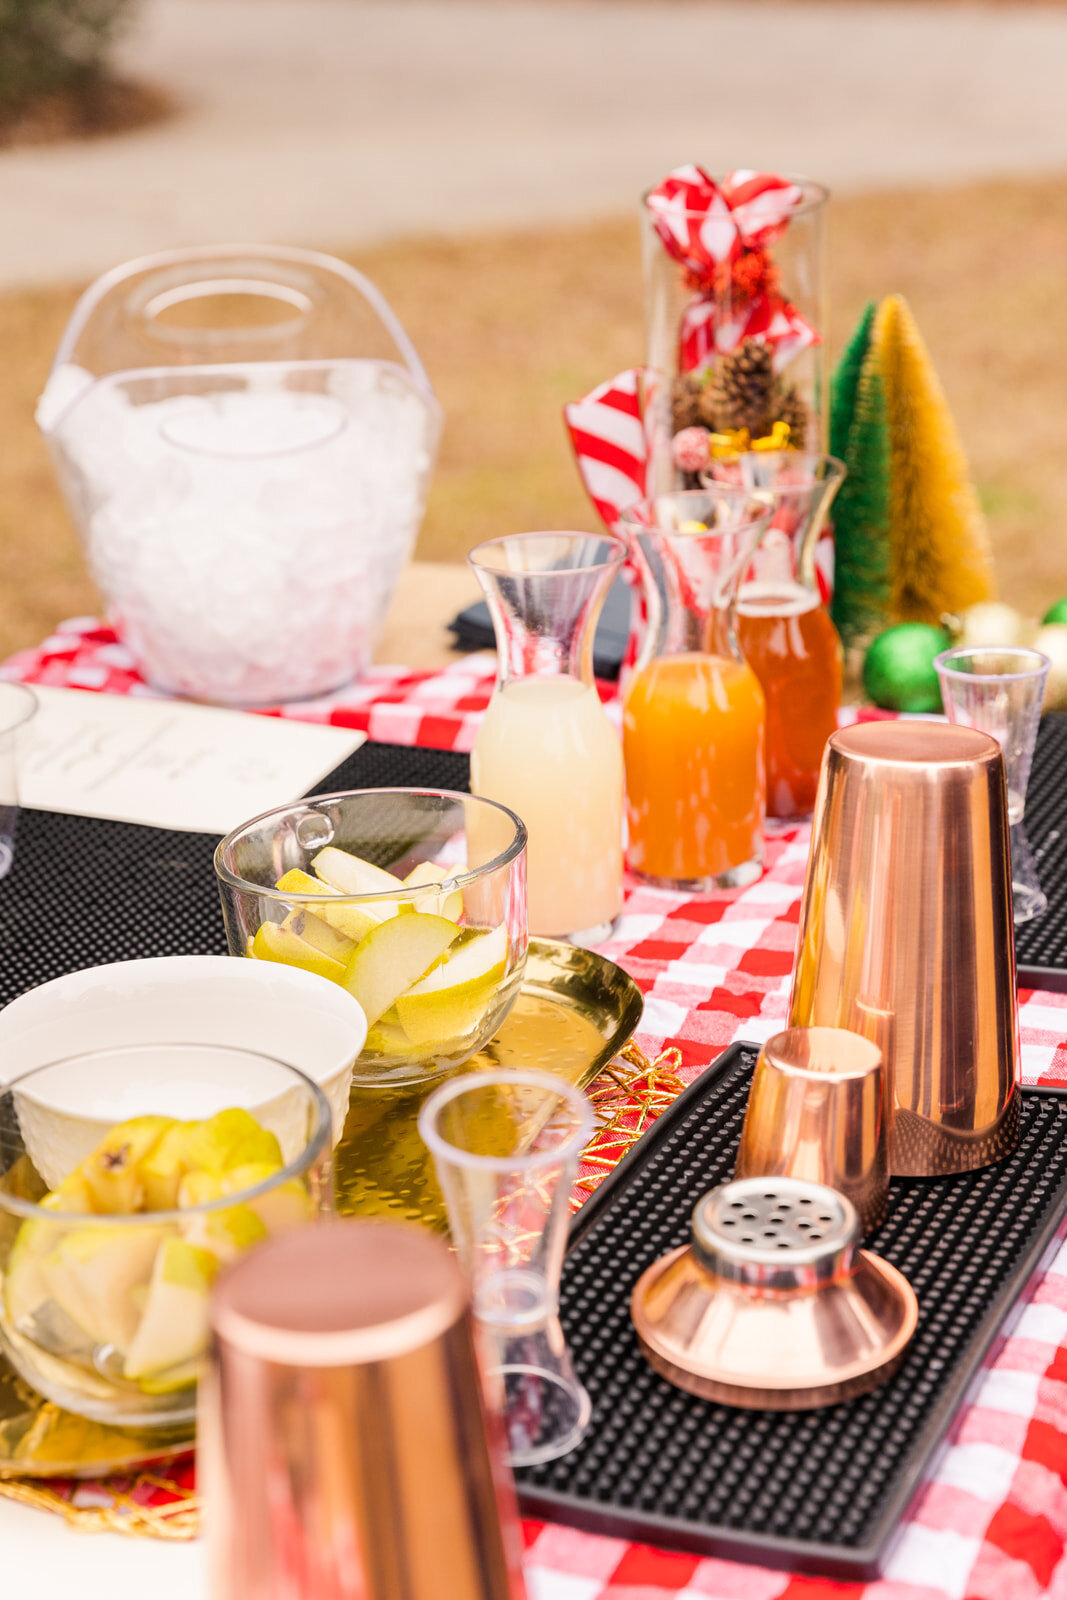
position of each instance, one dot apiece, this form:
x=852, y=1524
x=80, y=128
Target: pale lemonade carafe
x=546, y=748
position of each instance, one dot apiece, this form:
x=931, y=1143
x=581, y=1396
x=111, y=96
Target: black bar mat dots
x=82, y=892
x=815, y=1491
x=1041, y=945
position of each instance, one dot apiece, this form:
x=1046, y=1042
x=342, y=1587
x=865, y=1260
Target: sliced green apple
x=348, y=874
x=452, y=999
x=174, y=1327
x=321, y=935
x=353, y=921
x=393, y=956
x=275, y=942
x=93, y=1275
x=448, y=905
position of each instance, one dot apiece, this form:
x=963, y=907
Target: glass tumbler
x=1000, y=691
x=506, y=1148
x=17, y=706
x=129, y=1177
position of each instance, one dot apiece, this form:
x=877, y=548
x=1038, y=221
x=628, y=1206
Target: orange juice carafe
x=693, y=710
x=783, y=627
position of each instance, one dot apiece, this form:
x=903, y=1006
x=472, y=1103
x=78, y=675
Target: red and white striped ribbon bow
x=608, y=432
x=711, y=229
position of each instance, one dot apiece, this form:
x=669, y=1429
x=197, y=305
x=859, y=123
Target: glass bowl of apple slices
x=106, y=1265
x=414, y=900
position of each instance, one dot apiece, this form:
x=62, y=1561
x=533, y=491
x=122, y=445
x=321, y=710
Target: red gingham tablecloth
x=991, y=1523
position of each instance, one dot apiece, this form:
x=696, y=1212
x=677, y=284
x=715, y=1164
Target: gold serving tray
x=575, y=1011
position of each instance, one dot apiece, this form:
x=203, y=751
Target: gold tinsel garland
x=626, y=1105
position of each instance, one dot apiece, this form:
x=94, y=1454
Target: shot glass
x=17, y=706
x=817, y=1112
x=506, y=1148
x=1000, y=691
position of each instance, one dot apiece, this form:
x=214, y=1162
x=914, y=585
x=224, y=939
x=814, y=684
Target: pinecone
x=685, y=402
x=790, y=408
x=743, y=387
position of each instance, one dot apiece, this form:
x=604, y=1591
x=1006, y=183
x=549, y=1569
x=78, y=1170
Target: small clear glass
x=17, y=705
x=506, y=1148
x=105, y=1280
x=1000, y=690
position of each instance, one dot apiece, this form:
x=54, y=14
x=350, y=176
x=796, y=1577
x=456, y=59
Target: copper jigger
x=906, y=934
x=343, y=1447
x=772, y=1306
x=817, y=1110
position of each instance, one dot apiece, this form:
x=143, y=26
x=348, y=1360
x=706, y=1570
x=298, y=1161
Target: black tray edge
x=1052, y=978
x=864, y=1563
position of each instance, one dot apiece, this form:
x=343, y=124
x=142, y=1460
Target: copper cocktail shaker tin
x=771, y=1306
x=817, y=1110
x=906, y=934
x=345, y=1451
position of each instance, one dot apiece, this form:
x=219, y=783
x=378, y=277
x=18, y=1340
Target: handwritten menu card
x=169, y=764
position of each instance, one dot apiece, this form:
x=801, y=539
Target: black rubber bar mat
x=1041, y=945
x=810, y=1491
x=82, y=892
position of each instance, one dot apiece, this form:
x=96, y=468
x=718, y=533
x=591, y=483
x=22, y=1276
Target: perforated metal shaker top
x=775, y=1233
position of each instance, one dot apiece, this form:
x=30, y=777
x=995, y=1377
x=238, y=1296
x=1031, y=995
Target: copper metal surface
x=772, y=1307
x=906, y=934
x=344, y=1444
x=817, y=1110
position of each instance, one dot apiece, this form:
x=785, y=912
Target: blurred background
x=482, y=161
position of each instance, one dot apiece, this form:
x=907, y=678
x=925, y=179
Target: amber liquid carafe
x=783, y=627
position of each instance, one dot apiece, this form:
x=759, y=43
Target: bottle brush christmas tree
x=911, y=542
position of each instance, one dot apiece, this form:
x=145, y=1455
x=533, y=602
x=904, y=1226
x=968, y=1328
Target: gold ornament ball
x=992, y=622
x=1051, y=640
x=899, y=672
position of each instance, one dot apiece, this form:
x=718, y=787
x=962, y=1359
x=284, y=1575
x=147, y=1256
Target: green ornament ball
x=899, y=673
x=1056, y=613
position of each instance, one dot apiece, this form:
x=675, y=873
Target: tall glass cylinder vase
x=693, y=712
x=736, y=308
x=546, y=748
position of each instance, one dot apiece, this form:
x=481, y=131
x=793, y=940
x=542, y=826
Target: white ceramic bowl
x=279, y=1011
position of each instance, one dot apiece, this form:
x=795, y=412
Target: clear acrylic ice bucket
x=244, y=438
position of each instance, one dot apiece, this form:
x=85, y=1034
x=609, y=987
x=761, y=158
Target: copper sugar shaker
x=906, y=934
x=345, y=1449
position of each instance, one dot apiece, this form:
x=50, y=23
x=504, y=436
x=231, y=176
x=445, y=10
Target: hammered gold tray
x=575, y=1011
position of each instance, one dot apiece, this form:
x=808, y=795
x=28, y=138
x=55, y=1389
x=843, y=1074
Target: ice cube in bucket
x=245, y=440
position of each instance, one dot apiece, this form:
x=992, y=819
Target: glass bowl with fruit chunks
x=414, y=900
x=128, y=1178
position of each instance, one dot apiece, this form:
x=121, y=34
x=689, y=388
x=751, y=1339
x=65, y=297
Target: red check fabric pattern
x=991, y=1523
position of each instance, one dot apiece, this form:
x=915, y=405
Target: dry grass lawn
x=512, y=326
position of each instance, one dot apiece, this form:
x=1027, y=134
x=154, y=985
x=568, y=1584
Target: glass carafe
x=784, y=628
x=693, y=710
x=244, y=437
x=546, y=748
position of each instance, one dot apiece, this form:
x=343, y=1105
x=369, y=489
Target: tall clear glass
x=735, y=315
x=506, y=1148
x=17, y=706
x=546, y=748
x=694, y=714
x=1001, y=691
x=783, y=626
